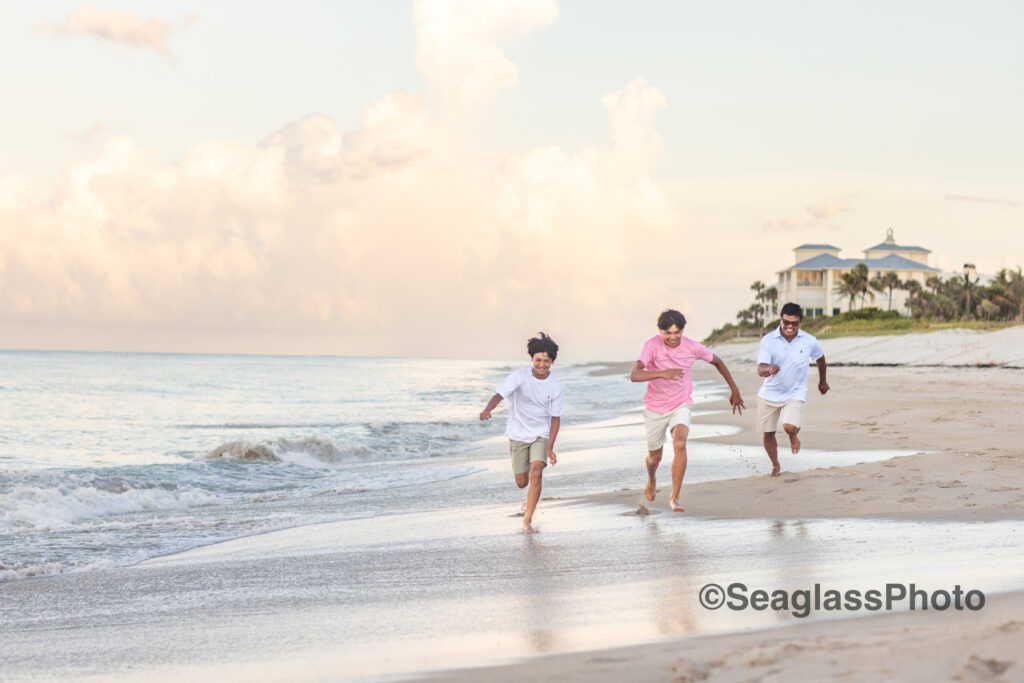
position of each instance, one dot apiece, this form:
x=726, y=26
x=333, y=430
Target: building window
x=836, y=311
x=810, y=278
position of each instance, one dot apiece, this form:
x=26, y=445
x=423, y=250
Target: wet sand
x=966, y=420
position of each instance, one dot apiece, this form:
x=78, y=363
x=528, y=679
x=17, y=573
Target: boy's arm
x=734, y=399
x=822, y=384
x=641, y=374
x=555, y=424
x=485, y=414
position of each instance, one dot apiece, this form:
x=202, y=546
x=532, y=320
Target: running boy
x=534, y=414
x=664, y=364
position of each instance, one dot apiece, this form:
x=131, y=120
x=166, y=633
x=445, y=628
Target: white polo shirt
x=793, y=359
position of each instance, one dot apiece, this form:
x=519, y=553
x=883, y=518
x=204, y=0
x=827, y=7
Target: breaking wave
x=311, y=451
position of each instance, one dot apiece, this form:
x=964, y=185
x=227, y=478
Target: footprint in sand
x=1010, y=627
x=981, y=669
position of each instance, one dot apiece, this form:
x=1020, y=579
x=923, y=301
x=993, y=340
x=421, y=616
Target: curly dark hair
x=670, y=317
x=544, y=344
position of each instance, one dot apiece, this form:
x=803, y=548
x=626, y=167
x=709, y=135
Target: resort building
x=812, y=280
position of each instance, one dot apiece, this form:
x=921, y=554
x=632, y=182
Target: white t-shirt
x=793, y=359
x=532, y=403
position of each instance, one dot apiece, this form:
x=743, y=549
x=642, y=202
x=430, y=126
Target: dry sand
x=966, y=422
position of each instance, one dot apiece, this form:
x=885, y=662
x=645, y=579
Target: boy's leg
x=679, y=435
x=652, y=461
x=794, y=440
x=520, y=462
x=533, y=495
x=771, y=447
x=655, y=425
x=768, y=416
x=792, y=416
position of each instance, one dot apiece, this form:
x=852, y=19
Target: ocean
x=108, y=459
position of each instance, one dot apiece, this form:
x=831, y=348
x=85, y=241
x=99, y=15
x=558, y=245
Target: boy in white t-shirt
x=534, y=414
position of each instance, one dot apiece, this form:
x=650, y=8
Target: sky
x=445, y=178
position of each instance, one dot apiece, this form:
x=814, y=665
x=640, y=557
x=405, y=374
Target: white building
x=811, y=281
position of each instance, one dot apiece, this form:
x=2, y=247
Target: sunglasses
x=790, y=323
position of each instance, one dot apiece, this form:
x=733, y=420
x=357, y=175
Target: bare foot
x=651, y=491
x=528, y=528
x=775, y=470
x=676, y=507
x=794, y=443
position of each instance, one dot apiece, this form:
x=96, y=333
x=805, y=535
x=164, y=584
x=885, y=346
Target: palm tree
x=877, y=283
x=847, y=288
x=889, y=281
x=913, y=289
x=854, y=283
x=771, y=299
x=987, y=309
x=1012, y=283
x=759, y=289
x=757, y=310
x=969, y=287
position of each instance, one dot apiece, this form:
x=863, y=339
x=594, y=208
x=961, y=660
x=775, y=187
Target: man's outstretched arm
x=734, y=399
x=822, y=384
x=485, y=414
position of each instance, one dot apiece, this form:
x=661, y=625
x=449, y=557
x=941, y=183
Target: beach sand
x=601, y=594
x=966, y=421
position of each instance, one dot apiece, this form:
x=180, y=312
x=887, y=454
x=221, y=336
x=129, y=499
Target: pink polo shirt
x=665, y=395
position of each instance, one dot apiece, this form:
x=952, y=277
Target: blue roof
x=816, y=246
x=889, y=262
x=897, y=247
x=818, y=262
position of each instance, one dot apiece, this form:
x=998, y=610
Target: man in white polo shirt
x=783, y=359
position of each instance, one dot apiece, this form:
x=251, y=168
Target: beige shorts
x=524, y=453
x=771, y=413
x=658, y=424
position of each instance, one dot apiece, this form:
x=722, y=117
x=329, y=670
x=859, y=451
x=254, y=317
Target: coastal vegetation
x=958, y=301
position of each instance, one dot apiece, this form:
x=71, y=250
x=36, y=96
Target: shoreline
x=962, y=422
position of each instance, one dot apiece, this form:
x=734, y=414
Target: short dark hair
x=792, y=309
x=543, y=343
x=669, y=317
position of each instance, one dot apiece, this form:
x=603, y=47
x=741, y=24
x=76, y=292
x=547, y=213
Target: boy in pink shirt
x=664, y=364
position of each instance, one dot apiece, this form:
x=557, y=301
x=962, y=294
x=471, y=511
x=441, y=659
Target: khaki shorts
x=771, y=413
x=658, y=424
x=525, y=453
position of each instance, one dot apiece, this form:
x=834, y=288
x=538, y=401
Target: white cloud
x=816, y=216
x=394, y=238
x=125, y=28
x=457, y=44
x=991, y=201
